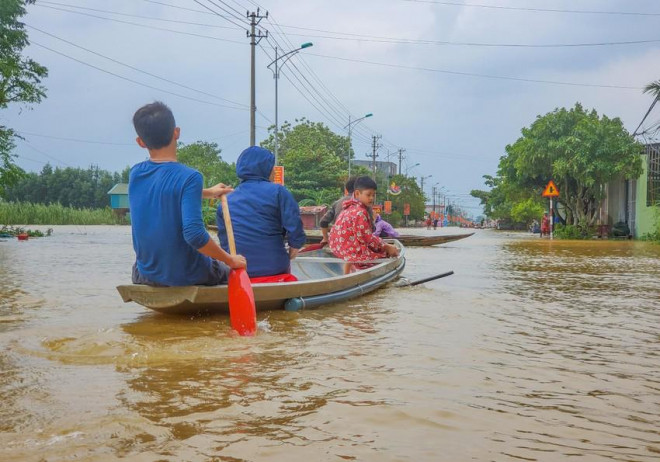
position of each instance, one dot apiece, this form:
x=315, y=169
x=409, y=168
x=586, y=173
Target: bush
x=25, y=213
x=573, y=231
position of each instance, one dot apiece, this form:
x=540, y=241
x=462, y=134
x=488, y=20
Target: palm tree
x=654, y=89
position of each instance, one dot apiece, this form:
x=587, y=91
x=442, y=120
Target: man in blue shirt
x=264, y=215
x=172, y=247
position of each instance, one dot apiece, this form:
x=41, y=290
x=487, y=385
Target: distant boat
x=321, y=281
x=408, y=240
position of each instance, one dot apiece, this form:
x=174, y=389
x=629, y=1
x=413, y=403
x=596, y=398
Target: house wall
x=616, y=202
x=647, y=217
x=119, y=201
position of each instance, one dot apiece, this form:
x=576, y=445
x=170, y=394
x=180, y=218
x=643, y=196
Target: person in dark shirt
x=172, y=247
x=264, y=215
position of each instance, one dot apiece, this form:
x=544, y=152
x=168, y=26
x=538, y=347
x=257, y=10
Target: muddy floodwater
x=532, y=351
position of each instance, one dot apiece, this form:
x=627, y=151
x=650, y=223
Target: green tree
x=205, y=157
x=526, y=211
x=410, y=194
x=70, y=187
x=314, y=160
x=579, y=149
x=20, y=80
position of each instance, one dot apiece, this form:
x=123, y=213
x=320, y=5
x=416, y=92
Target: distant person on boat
x=351, y=238
x=265, y=217
x=383, y=228
x=172, y=247
x=429, y=222
x=435, y=223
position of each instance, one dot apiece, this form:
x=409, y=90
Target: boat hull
x=408, y=240
x=321, y=281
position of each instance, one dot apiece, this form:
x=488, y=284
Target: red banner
x=406, y=210
x=388, y=207
x=377, y=208
x=279, y=175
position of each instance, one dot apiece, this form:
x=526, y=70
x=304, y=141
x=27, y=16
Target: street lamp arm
x=353, y=122
x=289, y=54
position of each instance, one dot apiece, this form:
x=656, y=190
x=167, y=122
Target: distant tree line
x=70, y=187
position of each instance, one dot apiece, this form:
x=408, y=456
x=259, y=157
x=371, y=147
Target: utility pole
x=374, y=148
x=433, y=201
x=255, y=38
x=401, y=151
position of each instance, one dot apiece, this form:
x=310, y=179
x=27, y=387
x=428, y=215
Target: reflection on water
x=533, y=350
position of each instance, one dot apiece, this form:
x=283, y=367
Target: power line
x=241, y=25
x=471, y=74
x=29, y=145
x=75, y=139
x=131, y=80
x=138, y=70
x=151, y=18
x=142, y=25
x=537, y=10
x=240, y=13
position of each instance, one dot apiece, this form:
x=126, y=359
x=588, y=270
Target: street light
x=409, y=168
x=350, y=127
x=421, y=180
x=276, y=76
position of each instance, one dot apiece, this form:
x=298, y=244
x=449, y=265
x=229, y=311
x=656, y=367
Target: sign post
x=279, y=175
x=550, y=192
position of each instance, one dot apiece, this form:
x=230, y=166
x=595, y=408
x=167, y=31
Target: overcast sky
x=421, y=67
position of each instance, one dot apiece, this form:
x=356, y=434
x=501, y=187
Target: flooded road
x=534, y=350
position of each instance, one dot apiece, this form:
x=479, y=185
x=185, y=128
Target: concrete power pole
x=255, y=38
x=401, y=151
x=374, y=146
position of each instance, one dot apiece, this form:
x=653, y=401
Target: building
x=119, y=198
x=635, y=202
x=647, y=197
x=311, y=216
x=386, y=168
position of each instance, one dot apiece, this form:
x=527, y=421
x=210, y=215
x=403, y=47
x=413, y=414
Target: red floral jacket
x=351, y=238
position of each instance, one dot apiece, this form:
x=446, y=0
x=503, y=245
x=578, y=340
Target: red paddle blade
x=242, y=311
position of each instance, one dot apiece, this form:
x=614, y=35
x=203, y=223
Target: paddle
x=406, y=283
x=242, y=311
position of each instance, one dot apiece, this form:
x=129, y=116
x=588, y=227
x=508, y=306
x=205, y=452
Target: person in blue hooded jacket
x=264, y=215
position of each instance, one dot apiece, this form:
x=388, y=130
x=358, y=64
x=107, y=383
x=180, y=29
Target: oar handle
x=228, y=228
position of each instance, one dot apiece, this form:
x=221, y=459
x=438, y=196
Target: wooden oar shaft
x=228, y=227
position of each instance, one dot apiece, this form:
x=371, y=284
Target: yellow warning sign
x=551, y=190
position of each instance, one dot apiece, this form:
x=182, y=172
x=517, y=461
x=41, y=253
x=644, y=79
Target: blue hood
x=255, y=163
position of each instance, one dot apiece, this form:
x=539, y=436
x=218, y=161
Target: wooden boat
x=321, y=280
x=408, y=240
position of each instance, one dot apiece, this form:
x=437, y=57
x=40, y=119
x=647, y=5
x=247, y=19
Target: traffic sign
x=551, y=190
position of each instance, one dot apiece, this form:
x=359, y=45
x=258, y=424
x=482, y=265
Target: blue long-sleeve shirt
x=263, y=215
x=166, y=217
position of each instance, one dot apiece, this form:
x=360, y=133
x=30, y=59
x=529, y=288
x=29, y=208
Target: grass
x=25, y=213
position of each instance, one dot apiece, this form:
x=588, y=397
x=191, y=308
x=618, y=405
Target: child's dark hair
x=365, y=182
x=350, y=185
x=154, y=124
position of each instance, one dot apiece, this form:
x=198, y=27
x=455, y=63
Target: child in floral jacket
x=351, y=237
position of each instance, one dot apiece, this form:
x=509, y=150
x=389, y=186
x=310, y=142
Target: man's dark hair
x=350, y=185
x=154, y=123
x=365, y=182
